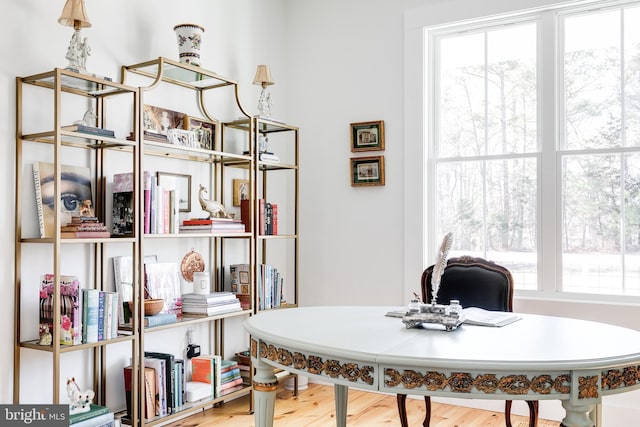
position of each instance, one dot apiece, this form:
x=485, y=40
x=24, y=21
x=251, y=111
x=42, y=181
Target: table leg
x=265, y=385
x=341, y=393
x=577, y=415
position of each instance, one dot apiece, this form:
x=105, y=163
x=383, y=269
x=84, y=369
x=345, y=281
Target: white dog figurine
x=80, y=399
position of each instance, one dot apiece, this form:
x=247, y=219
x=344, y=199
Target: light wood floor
x=314, y=407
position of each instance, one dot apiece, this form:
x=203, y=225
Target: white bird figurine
x=215, y=209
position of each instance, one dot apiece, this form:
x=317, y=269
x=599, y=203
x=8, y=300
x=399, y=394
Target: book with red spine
x=274, y=218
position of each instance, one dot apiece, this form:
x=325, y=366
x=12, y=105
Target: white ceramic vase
x=189, y=41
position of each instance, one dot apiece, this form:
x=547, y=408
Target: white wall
x=123, y=32
x=364, y=245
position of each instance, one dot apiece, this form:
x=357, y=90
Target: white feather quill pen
x=439, y=266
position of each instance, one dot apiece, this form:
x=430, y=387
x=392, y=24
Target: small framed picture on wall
x=367, y=136
x=367, y=171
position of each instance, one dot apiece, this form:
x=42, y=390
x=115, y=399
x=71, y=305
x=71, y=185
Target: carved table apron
x=535, y=358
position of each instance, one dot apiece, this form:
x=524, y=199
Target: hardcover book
x=207, y=369
x=70, y=331
x=158, y=365
x=90, y=303
x=123, y=277
x=147, y=201
x=163, y=281
x=75, y=184
x=149, y=391
x=122, y=210
x=240, y=284
x=103, y=420
x=92, y=130
x=94, y=411
x=169, y=376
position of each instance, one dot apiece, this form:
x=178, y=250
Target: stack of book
x=220, y=376
x=230, y=377
x=97, y=416
x=212, y=225
x=84, y=227
x=210, y=304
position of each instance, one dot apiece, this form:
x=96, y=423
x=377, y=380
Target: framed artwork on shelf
x=181, y=184
x=158, y=121
x=367, y=171
x=204, y=130
x=240, y=191
x=367, y=136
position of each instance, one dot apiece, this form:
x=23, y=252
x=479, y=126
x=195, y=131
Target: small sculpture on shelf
x=88, y=119
x=87, y=209
x=80, y=399
x=214, y=208
x=45, y=335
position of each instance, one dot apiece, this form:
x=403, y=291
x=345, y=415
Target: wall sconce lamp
x=74, y=15
x=263, y=78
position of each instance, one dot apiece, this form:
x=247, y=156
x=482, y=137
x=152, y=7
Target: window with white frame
x=534, y=143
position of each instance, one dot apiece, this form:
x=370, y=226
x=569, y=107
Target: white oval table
x=535, y=358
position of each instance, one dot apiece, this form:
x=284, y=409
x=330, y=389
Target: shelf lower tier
x=190, y=408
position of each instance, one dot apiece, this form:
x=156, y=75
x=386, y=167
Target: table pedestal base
x=265, y=385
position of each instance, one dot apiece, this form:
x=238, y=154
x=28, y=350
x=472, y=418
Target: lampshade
x=263, y=76
x=74, y=15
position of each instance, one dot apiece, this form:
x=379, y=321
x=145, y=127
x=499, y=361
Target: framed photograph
x=204, y=130
x=367, y=171
x=181, y=184
x=367, y=136
x=158, y=121
x=240, y=191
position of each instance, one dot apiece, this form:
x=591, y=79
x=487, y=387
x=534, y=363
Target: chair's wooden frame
x=425, y=282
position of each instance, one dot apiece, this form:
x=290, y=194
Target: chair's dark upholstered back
x=475, y=282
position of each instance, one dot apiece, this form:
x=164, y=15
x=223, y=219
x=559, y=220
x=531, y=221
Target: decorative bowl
x=151, y=306
x=244, y=357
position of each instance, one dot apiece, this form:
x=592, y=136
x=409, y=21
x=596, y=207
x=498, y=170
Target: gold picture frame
x=158, y=121
x=367, y=171
x=240, y=191
x=204, y=130
x=181, y=184
x=367, y=136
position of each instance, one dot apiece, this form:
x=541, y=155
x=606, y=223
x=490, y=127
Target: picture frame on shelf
x=158, y=121
x=367, y=136
x=366, y=171
x=204, y=130
x=181, y=183
x=240, y=191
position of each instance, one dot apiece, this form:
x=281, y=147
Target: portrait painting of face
x=75, y=188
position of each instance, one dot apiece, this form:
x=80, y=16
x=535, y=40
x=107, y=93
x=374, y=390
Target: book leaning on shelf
x=149, y=391
x=70, y=331
x=122, y=208
x=207, y=369
x=239, y=284
x=77, y=184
